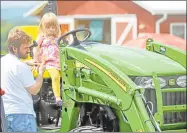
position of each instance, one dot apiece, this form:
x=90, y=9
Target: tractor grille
x=174, y=98
x=169, y=98
x=150, y=95
x=174, y=117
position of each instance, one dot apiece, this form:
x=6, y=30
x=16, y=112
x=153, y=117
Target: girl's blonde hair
x=49, y=19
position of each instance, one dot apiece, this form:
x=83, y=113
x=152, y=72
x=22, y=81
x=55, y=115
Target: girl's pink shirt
x=50, y=52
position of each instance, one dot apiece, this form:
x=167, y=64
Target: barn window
x=178, y=29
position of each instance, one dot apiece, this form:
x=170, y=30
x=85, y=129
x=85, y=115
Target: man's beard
x=20, y=55
x=17, y=53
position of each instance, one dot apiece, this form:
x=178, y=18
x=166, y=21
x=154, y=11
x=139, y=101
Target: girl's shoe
x=59, y=102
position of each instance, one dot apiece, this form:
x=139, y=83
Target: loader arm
x=121, y=95
x=169, y=51
x=180, y=57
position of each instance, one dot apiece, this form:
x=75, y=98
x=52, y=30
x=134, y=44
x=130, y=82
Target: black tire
x=87, y=129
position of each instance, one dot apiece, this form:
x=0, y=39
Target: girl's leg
x=55, y=77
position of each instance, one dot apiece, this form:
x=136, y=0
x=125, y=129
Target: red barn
x=116, y=22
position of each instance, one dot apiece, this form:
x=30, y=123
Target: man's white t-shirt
x=15, y=77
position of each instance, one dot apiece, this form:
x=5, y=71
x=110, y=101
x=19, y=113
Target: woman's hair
x=16, y=37
x=49, y=19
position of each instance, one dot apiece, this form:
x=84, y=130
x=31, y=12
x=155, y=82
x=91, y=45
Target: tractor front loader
x=102, y=88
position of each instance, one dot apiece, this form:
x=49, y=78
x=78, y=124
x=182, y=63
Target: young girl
x=47, y=50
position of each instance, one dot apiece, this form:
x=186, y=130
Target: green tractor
x=108, y=88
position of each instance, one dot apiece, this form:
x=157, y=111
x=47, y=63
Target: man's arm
x=26, y=77
x=31, y=62
x=34, y=89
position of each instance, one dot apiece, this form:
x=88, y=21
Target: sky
x=14, y=4
x=13, y=9
x=165, y=5
x=157, y=6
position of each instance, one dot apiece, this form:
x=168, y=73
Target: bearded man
x=19, y=84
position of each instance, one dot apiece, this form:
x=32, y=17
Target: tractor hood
x=135, y=61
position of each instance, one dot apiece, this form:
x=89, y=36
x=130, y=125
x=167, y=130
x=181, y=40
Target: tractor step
x=49, y=127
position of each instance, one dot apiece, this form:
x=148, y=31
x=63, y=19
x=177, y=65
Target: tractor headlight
x=181, y=81
x=147, y=82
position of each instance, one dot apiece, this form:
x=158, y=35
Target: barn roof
x=36, y=9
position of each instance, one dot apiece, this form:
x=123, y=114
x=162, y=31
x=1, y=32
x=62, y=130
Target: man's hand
x=39, y=80
x=32, y=62
x=40, y=67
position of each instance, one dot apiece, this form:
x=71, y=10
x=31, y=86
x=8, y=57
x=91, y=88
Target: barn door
x=123, y=28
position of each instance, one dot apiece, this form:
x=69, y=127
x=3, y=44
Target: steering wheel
x=73, y=33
